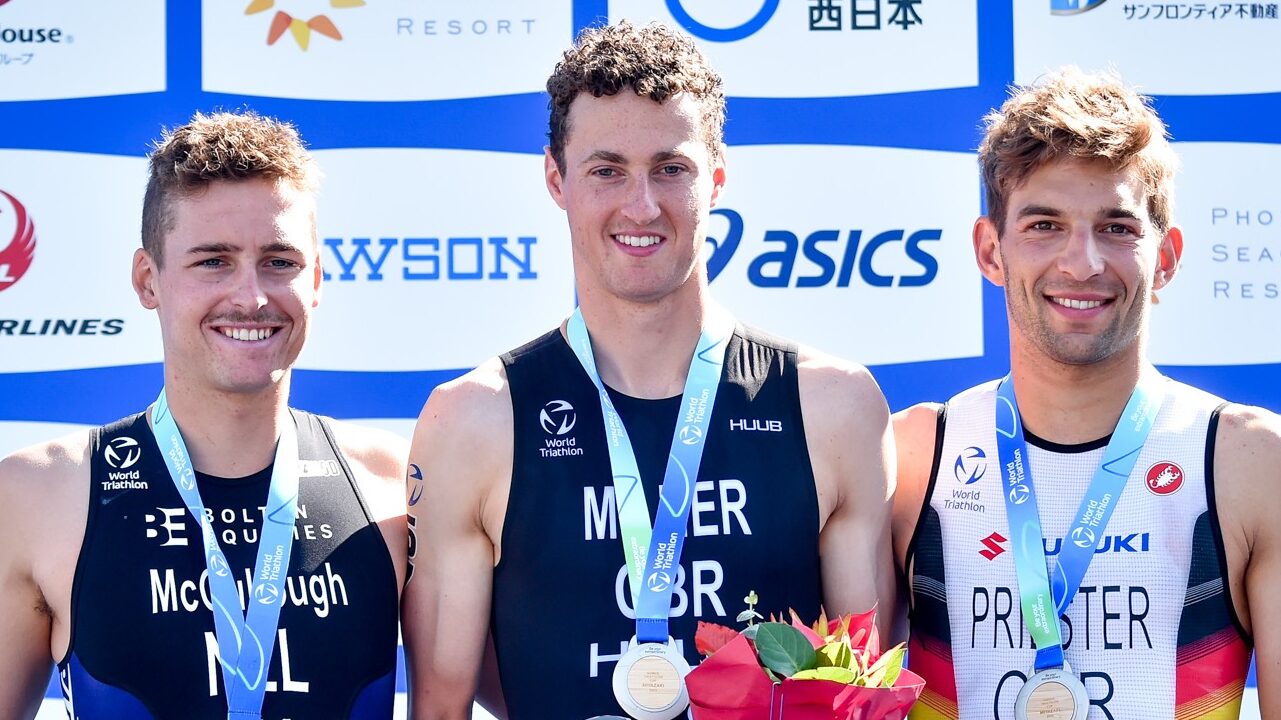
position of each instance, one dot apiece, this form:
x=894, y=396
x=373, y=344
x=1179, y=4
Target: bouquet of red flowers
x=789, y=671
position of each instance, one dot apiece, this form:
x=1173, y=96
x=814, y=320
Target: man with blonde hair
x=220, y=554
x=1086, y=538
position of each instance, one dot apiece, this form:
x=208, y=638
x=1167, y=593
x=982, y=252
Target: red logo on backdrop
x=16, y=256
x=1164, y=478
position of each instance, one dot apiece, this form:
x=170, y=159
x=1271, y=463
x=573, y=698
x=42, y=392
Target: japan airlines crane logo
x=300, y=29
x=15, y=255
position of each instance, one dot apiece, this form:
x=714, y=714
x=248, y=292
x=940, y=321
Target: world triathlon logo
x=1083, y=537
x=122, y=453
x=557, y=417
x=691, y=434
x=15, y=255
x=300, y=29
x=659, y=581
x=1019, y=494
x=970, y=465
x=1072, y=7
x=267, y=593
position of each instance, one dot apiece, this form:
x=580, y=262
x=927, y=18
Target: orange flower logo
x=299, y=28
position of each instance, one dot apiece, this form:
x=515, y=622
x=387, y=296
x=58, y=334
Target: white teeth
x=1077, y=304
x=248, y=334
x=638, y=240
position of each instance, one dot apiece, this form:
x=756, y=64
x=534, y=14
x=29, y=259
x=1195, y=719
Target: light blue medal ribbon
x=245, y=642
x=652, y=566
x=1042, y=601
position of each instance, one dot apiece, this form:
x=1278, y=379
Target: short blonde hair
x=223, y=146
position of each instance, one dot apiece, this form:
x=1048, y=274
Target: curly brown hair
x=222, y=146
x=1072, y=115
x=653, y=60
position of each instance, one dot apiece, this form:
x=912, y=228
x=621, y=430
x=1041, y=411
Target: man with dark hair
x=1086, y=534
x=539, y=467
x=219, y=555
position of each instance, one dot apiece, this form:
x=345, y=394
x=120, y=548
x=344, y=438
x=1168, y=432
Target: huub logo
x=17, y=254
x=557, y=417
x=122, y=453
x=970, y=465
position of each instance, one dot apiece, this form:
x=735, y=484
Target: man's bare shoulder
x=380, y=452
x=916, y=426
x=836, y=390
x=47, y=467
x=1248, y=460
x=474, y=409
x=40, y=481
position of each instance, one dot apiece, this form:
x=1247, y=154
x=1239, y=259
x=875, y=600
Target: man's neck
x=644, y=349
x=1073, y=404
x=229, y=435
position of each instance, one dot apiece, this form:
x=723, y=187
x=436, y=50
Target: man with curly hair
x=541, y=467
x=219, y=554
x=1086, y=534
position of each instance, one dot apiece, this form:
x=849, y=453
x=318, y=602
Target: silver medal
x=649, y=681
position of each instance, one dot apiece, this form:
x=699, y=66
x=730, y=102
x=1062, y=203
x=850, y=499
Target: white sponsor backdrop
x=54, y=50
x=452, y=236
x=85, y=209
x=429, y=122
x=1183, y=48
x=850, y=55
x=389, y=49
x=811, y=217
x=1228, y=287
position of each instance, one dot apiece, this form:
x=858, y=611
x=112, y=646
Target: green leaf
x=748, y=615
x=750, y=631
x=783, y=649
x=887, y=669
x=844, y=676
x=836, y=654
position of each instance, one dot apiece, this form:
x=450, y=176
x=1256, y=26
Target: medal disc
x=649, y=681
x=1053, y=694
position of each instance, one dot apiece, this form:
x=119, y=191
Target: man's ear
x=1167, y=259
x=555, y=182
x=718, y=175
x=987, y=251
x=145, y=280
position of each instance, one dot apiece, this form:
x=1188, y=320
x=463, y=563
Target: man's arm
x=377, y=458
x=1247, y=481
x=36, y=536
x=915, y=433
x=852, y=452
x=462, y=447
